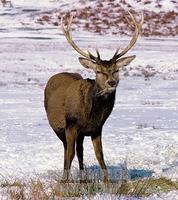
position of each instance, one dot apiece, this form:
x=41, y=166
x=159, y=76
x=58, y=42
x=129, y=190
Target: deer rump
x=71, y=100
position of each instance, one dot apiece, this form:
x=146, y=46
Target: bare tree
x=78, y=107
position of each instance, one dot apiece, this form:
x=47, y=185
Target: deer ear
x=87, y=63
x=124, y=61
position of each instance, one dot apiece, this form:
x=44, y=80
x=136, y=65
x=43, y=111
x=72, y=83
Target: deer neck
x=102, y=105
x=107, y=96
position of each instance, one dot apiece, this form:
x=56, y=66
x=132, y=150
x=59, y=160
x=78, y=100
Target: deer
x=6, y=2
x=78, y=107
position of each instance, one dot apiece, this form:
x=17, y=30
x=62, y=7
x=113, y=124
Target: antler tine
x=66, y=30
x=141, y=21
x=70, y=22
x=137, y=26
x=68, y=36
x=115, y=54
x=131, y=24
x=91, y=56
x=98, y=54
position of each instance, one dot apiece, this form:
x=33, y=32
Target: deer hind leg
x=79, y=149
x=97, y=144
x=62, y=137
x=69, y=151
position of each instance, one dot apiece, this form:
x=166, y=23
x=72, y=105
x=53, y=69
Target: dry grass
x=37, y=189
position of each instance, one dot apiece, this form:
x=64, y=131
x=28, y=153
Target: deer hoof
x=106, y=179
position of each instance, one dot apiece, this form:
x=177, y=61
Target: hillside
x=108, y=17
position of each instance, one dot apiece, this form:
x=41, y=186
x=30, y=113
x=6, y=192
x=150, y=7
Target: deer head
x=107, y=71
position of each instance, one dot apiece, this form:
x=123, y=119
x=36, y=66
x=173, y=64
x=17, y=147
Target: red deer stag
x=78, y=107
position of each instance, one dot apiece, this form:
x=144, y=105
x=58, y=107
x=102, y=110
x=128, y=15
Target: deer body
x=78, y=107
x=76, y=102
x=71, y=102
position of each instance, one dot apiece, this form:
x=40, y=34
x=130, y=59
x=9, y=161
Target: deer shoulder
x=78, y=103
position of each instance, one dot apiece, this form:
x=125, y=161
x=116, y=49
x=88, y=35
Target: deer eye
x=115, y=72
x=99, y=72
x=102, y=74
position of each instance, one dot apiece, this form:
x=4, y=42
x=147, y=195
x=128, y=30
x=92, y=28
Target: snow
x=41, y=3
x=142, y=129
x=157, y=6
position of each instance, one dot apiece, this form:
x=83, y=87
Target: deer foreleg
x=97, y=144
x=79, y=149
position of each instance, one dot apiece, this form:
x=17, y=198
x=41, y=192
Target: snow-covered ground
x=142, y=129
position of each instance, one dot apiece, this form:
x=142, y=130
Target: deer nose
x=112, y=83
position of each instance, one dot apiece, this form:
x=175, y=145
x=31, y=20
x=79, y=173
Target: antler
x=137, y=26
x=68, y=36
